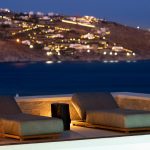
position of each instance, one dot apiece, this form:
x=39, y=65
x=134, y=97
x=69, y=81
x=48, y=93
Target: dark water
x=70, y=77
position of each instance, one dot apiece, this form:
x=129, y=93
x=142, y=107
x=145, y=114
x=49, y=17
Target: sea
x=51, y=78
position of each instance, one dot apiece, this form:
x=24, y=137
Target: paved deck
x=76, y=133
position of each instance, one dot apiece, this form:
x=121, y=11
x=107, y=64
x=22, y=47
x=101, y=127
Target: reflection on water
x=111, y=61
x=20, y=65
x=49, y=62
x=117, y=61
x=59, y=61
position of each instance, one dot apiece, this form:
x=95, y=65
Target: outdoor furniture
x=24, y=126
x=61, y=110
x=100, y=110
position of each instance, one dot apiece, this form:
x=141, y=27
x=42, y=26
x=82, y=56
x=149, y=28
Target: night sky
x=129, y=12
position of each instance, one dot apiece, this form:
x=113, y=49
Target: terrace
x=41, y=105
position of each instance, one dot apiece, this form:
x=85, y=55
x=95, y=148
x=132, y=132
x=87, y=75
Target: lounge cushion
x=122, y=118
x=8, y=106
x=25, y=125
x=92, y=101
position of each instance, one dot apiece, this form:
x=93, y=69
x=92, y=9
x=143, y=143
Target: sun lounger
x=24, y=126
x=100, y=110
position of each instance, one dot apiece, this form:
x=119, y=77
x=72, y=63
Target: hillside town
x=62, y=37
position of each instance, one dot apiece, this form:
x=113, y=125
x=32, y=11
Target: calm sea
x=70, y=77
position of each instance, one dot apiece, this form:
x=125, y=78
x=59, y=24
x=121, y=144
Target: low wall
x=136, y=101
x=41, y=105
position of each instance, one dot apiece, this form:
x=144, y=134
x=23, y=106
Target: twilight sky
x=130, y=12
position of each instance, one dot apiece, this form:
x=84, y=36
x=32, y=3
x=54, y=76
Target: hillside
x=12, y=52
x=34, y=37
x=132, y=38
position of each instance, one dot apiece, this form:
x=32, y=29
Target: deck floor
x=76, y=133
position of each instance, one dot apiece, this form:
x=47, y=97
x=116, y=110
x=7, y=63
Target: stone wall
x=42, y=106
x=132, y=102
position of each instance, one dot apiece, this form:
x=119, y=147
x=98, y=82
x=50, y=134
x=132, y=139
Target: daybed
x=100, y=110
x=23, y=126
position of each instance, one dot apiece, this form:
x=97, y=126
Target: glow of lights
x=67, y=21
x=104, y=53
x=111, y=61
x=81, y=24
x=18, y=40
x=31, y=46
x=116, y=53
x=49, y=53
x=105, y=61
x=86, y=25
x=13, y=33
x=128, y=61
x=128, y=54
x=49, y=62
x=88, y=46
x=133, y=54
x=110, y=53
x=108, y=32
x=88, y=51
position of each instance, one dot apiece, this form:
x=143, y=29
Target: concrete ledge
x=41, y=105
x=137, y=101
x=45, y=98
x=132, y=95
